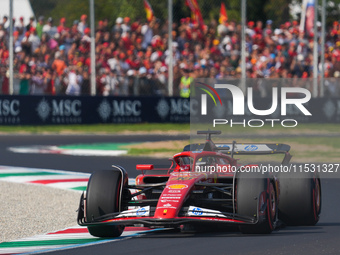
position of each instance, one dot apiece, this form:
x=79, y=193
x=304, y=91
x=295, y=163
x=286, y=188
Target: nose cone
x=178, y=188
x=171, y=200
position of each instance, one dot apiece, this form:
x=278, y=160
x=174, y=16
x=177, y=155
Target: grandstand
x=132, y=56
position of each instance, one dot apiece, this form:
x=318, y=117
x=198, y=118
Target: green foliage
x=276, y=10
x=111, y=9
x=42, y=7
x=71, y=10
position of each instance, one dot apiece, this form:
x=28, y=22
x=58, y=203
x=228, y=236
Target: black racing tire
x=249, y=186
x=300, y=200
x=102, y=197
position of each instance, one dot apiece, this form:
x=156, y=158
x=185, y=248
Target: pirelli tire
x=103, y=196
x=300, y=199
x=256, y=194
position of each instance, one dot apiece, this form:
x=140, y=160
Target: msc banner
x=54, y=110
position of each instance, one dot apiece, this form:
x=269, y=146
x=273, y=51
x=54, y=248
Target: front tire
x=103, y=197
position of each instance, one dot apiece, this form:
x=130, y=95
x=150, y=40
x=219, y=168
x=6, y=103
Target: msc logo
x=9, y=107
x=176, y=108
x=63, y=110
x=120, y=109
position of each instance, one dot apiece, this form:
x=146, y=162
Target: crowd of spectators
x=132, y=57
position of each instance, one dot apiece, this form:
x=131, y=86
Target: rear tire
x=103, y=197
x=248, y=190
x=300, y=200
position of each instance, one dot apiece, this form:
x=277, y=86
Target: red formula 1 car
x=205, y=185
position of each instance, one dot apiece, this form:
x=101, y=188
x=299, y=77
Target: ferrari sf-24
x=204, y=186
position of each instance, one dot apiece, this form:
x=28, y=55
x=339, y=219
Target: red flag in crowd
x=310, y=16
x=196, y=14
x=223, y=14
x=148, y=10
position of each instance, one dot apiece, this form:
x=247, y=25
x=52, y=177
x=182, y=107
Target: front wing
x=188, y=215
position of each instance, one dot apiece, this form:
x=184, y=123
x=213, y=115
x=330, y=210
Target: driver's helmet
x=185, y=168
x=185, y=163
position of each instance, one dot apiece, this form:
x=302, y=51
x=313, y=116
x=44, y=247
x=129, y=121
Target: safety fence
x=60, y=47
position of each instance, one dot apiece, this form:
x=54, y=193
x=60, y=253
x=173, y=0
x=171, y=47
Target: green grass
x=303, y=149
x=300, y=128
x=97, y=128
x=168, y=127
x=96, y=146
x=320, y=149
x=317, y=146
x=151, y=152
x=333, y=142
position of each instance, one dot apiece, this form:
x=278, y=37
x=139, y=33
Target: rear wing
x=239, y=148
x=255, y=149
x=242, y=149
x=251, y=148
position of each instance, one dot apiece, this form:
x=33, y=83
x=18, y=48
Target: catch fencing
x=145, y=48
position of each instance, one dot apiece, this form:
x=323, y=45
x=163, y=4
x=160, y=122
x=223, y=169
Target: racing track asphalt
x=75, y=163
x=324, y=238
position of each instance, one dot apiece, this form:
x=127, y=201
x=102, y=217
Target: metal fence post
x=243, y=44
x=315, y=51
x=93, y=49
x=170, y=64
x=11, y=50
x=323, y=34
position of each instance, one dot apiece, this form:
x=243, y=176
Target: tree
x=276, y=10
